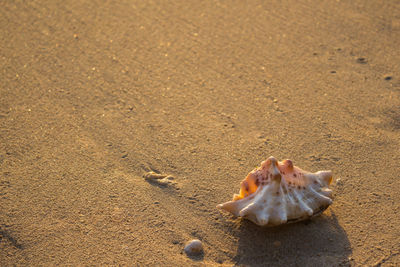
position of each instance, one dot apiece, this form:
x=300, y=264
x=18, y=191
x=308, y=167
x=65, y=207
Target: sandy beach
x=95, y=94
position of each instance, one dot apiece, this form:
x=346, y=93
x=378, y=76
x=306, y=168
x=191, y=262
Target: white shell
x=278, y=193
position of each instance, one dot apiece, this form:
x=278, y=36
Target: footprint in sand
x=160, y=179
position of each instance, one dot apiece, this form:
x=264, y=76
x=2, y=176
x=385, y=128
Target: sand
x=95, y=94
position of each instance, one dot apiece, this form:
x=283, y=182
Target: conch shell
x=278, y=193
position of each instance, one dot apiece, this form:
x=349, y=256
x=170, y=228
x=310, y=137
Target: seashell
x=278, y=193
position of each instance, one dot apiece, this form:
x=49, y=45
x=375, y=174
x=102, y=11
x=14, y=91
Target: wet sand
x=96, y=94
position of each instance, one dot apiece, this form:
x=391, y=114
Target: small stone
x=277, y=243
x=362, y=60
x=194, y=247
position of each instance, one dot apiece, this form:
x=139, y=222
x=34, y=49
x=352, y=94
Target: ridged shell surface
x=278, y=193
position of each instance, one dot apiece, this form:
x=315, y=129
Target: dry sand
x=94, y=94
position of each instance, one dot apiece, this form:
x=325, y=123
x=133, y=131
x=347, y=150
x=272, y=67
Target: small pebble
x=277, y=243
x=362, y=60
x=193, y=247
